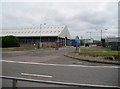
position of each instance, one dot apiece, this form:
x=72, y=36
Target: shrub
x=10, y=41
x=82, y=42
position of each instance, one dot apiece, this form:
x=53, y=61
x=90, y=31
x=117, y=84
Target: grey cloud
x=79, y=17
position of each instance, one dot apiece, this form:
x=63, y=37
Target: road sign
x=77, y=39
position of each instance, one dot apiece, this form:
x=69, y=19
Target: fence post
x=14, y=84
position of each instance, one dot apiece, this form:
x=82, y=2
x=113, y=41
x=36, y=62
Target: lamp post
x=102, y=32
x=40, y=35
x=90, y=34
x=102, y=36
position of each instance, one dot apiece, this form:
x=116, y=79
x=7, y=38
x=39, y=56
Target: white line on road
x=47, y=64
x=36, y=75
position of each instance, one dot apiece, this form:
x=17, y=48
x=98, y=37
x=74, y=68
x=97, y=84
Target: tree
x=82, y=42
x=10, y=41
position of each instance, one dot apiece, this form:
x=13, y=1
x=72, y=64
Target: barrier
x=15, y=79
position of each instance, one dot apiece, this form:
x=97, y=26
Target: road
x=53, y=66
x=47, y=56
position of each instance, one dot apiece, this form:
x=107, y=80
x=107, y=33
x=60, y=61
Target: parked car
x=86, y=45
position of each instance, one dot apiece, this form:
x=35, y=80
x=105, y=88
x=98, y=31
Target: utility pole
x=101, y=36
x=40, y=35
x=90, y=34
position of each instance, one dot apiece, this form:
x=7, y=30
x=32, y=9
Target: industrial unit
x=49, y=35
x=112, y=42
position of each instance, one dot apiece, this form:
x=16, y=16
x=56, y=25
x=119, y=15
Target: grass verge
x=22, y=49
x=16, y=49
x=99, y=53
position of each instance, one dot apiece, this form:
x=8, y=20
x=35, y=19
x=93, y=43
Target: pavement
x=52, y=65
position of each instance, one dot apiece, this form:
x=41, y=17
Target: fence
x=15, y=79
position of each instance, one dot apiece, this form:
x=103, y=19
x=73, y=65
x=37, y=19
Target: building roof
x=43, y=31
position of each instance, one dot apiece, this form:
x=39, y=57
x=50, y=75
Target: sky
x=85, y=19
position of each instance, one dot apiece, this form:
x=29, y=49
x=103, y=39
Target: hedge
x=10, y=41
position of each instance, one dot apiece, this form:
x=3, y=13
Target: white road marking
x=47, y=64
x=36, y=75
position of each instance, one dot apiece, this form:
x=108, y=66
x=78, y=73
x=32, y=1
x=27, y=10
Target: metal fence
x=16, y=79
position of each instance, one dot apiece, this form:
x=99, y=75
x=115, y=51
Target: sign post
x=77, y=44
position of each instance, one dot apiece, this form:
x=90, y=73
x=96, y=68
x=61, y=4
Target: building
x=45, y=35
x=89, y=41
x=97, y=42
x=113, y=42
x=73, y=42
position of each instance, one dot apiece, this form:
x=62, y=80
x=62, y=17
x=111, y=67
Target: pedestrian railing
x=16, y=79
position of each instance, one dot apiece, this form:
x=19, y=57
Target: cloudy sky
x=81, y=18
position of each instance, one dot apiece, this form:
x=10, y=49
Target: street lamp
x=101, y=33
x=90, y=34
x=101, y=37
x=40, y=35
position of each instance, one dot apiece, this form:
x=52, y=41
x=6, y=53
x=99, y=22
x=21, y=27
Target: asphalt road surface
x=54, y=66
x=47, y=56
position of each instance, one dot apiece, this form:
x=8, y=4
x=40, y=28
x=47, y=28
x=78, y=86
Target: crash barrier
x=16, y=79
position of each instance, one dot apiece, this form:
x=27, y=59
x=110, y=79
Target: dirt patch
x=98, y=59
x=34, y=59
x=115, y=58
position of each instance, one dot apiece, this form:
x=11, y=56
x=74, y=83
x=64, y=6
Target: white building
x=43, y=34
x=90, y=41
